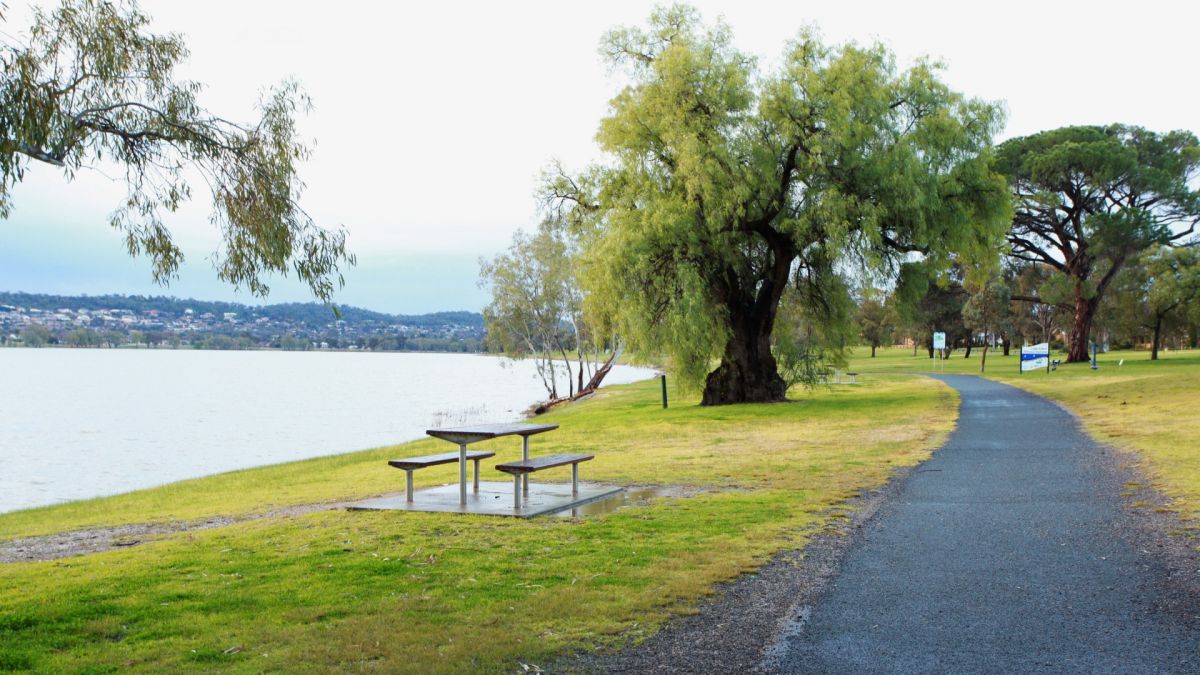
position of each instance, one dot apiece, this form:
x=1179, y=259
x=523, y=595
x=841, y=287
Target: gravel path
x=1009, y=551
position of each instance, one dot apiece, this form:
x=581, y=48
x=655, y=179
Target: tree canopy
x=94, y=88
x=725, y=184
x=1089, y=199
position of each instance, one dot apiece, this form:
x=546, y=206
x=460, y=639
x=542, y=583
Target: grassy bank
x=438, y=592
x=1145, y=406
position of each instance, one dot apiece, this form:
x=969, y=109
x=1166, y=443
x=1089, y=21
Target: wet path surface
x=1006, y=552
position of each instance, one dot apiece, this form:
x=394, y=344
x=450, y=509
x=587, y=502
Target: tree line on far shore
x=37, y=335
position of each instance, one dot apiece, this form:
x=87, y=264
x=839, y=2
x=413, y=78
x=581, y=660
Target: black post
x=664, y=389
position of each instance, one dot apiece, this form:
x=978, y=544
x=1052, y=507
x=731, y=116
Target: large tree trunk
x=873, y=351
x=1158, y=321
x=1081, y=328
x=967, y=355
x=1007, y=342
x=748, y=372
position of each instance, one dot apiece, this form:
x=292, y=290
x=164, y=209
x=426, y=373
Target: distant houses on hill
x=127, y=321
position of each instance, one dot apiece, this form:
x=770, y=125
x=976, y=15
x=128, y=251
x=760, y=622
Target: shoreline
x=275, y=453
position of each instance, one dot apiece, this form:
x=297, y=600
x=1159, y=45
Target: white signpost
x=939, y=343
x=1035, y=356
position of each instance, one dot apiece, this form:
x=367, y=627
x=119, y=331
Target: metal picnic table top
x=482, y=432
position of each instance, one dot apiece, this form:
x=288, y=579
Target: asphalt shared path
x=1008, y=551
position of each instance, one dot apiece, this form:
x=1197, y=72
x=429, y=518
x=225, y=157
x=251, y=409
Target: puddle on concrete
x=632, y=496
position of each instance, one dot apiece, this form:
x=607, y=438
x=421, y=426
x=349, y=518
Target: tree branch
x=37, y=153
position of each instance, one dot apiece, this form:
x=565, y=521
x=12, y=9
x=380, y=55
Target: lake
x=80, y=423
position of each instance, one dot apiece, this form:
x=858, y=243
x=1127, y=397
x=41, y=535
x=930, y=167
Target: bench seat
x=410, y=464
x=528, y=466
x=539, y=463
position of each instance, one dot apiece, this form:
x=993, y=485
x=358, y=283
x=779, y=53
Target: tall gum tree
x=1089, y=199
x=725, y=184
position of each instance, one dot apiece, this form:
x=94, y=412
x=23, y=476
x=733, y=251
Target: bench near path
x=1008, y=551
x=521, y=470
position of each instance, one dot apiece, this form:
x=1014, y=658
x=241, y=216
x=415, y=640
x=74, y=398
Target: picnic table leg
x=408, y=488
x=575, y=479
x=525, y=457
x=462, y=474
x=517, y=490
x=477, y=475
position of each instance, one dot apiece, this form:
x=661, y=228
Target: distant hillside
x=310, y=313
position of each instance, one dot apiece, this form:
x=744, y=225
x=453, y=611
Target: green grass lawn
x=441, y=592
x=1140, y=405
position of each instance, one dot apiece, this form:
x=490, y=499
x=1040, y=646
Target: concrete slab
x=493, y=499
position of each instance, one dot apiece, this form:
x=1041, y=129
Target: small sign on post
x=1035, y=356
x=939, y=344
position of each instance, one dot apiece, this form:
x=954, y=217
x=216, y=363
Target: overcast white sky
x=432, y=120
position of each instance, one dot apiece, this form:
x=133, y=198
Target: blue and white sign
x=939, y=340
x=1035, y=356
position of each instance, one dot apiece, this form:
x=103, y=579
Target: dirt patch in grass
x=100, y=539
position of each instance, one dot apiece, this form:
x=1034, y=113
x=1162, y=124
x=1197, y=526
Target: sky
x=432, y=121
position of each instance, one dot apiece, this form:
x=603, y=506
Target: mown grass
x=1131, y=402
x=447, y=593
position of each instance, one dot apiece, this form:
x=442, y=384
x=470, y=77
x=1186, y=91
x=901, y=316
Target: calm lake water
x=79, y=423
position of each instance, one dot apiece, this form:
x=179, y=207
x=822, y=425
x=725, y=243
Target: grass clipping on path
x=442, y=592
x=1131, y=402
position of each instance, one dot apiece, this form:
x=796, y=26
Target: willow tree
x=93, y=88
x=725, y=184
x=1090, y=199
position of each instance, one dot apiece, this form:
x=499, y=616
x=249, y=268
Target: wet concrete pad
x=493, y=499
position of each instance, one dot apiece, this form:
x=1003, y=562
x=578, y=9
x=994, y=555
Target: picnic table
x=464, y=436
